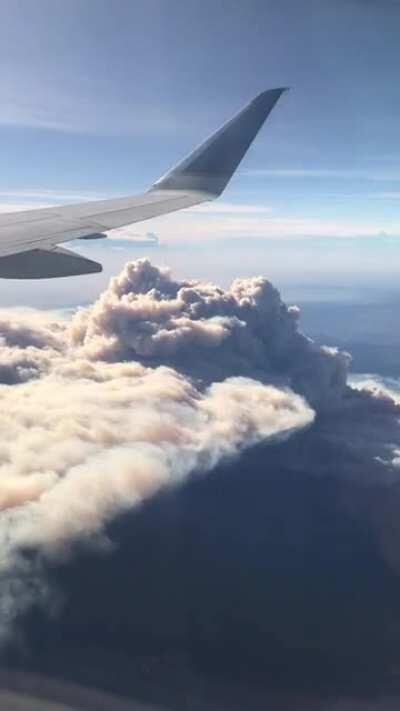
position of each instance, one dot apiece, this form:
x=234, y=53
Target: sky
x=97, y=104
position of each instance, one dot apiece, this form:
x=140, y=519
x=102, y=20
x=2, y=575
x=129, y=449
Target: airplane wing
x=29, y=239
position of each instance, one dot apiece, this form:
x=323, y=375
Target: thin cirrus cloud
x=51, y=196
x=211, y=225
x=228, y=208
x=217, y=220
x=386, y=195
x=73, y=111
x=328, y=173
x=57, y=196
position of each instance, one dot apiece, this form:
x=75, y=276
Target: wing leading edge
x=28, y=240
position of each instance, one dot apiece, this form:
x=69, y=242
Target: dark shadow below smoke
x=262, y=578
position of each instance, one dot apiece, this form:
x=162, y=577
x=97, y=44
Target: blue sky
x=99, y=98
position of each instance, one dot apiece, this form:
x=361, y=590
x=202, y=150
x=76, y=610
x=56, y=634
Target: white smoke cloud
x=86, y=442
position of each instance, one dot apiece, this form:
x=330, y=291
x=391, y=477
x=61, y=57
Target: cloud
x=56, y=196
x=131, y=235
x=386, y=195
x=75, y=441
x=98, y=412
x=227, y=220
x=230, y=208
x=52, y=105
x=205, y=225
x=261, y=585
x=329, y=173
x=21, y=206
x=103, y=413
x=205, y=331
x=157, y=379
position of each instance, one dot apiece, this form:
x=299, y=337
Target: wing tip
x=275, y=90
x=270, y=95
x=209, y=167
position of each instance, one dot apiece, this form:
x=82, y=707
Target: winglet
x=209, y=167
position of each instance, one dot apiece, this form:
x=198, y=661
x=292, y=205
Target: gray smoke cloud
x=207, y=332
x=198, y=328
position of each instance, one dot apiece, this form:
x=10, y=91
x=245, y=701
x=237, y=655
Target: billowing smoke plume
x=87, y=441
x=155, y=380
x=159, y=380
x=197, y=328
x=99, y=412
